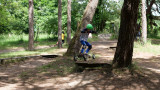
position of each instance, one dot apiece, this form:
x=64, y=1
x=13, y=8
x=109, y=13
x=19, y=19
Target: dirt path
x=87, y=80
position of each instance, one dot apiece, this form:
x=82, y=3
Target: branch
x=150, y=6
x=157, y=8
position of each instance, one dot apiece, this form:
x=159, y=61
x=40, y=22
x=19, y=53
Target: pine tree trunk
x=75, y=45
x=144, y=23
x=31, y=26
x=37, y=34
x=69, y=22
x=124, y=50
x=59, y=24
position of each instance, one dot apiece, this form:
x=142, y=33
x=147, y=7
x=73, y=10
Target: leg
x=62, y=41
x=89, y=47
x=83, y=47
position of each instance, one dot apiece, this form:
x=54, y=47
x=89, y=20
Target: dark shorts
x=85, y=43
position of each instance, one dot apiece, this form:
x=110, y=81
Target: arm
x=92, y=32
x=84, y=31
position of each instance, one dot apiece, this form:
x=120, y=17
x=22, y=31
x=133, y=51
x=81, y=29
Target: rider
x=84, y=37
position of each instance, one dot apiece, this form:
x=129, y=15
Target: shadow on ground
x=101, y=79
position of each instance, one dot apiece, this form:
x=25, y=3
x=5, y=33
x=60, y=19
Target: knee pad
x=90, y=47
x=84, y=47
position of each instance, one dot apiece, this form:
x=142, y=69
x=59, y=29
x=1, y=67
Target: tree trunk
x=59, y=24
x=31, y=26
x=98, y=15
x=75, y=45
x=37, y=33
x=144, y=23
x=69, y=22
x=124, y=50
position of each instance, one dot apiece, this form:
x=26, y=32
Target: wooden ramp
x=94, y=63
x=2, y=60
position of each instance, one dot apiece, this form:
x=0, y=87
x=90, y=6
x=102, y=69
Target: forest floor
x=26, y=75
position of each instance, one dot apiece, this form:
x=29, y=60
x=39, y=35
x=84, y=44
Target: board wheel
x=75, y=58
x=93, y=56
x=85, y=57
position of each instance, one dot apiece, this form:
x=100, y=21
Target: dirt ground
x=147, y=79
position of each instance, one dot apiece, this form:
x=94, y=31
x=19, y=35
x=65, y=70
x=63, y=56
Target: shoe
x=80, y=55
x=86, y=54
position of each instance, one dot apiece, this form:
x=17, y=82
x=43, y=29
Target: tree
x=69, y=22
x=124, y=50
x=4, y=17
x=149, y=5
x=144, y=22
x=106, y=13
x=75, y=45
x=59, y=24
x=31, y=26
x=152, y=7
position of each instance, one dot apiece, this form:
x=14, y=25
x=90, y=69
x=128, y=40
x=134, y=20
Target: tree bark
x=150, y=17
x=69, y=22
x=31, y=26
x=144, y=22
x=75, y=45
x=59, y=24
x=124, y=50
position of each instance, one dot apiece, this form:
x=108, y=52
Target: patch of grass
x=149, y=47
x=120, y=71
x=154, y=36
x=62, y=65
x=14, y=41
x=104, y=32
x=24, y=75
x=131, y=69
x=28, y=53
x=46, y=41
x=128, y=70
x=10, y=41
x=18, y=54
x=114, y=36
x=11, y=61
x=134, y=67
x=94, y=38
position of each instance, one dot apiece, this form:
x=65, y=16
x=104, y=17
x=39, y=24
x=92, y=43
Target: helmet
x=89, y=26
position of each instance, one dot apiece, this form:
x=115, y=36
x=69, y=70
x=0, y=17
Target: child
x=84, y=37
x=138, y=36
x=63, y=37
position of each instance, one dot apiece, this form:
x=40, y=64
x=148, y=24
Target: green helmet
x=89, y=26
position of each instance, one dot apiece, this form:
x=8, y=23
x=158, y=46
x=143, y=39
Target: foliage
x=107, y=16
x=14, y=15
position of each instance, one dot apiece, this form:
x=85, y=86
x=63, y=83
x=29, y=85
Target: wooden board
x=50, y=56
x=92, y=63
x=26, y=57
